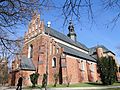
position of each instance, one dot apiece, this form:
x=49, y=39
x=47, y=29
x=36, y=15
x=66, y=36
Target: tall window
x=30, y=51
x=82, y=66
x=50, y=48
x=54, y=50
x=92, y=67
x=54, y=62
x=57, y=50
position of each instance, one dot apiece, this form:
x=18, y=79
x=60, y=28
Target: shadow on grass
x=96, y=84
x=100, y=84
x=89, y=84
x=31, y=87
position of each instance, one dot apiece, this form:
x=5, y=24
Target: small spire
x=71, y=27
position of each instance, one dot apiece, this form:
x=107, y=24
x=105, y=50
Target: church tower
x=71, y=33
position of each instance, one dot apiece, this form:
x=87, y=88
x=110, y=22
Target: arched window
x=30, y=51
x=54, y=62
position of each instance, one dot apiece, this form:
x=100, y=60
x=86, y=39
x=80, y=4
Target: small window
x=54, y=62
x=17, y=66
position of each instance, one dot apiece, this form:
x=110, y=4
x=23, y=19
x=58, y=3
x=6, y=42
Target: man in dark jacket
x=19, y=85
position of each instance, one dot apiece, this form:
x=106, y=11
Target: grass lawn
x=86, y=85
x=80, y=85
x=116, y=84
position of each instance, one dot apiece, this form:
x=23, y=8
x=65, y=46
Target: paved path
x=67, y=88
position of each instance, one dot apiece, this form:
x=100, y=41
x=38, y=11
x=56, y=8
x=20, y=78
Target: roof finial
x=71, y=27
x=48, y=24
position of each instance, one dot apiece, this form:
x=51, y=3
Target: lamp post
x=48, y=25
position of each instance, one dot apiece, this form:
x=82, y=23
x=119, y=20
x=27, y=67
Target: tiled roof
x=26, y=63
x=76, y=53
x=64, y=38
x=93, y=49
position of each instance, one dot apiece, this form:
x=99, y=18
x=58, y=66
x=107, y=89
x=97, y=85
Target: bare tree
x=112, y=5
x=17, y=12
x=12, y=13
x=74, y=8
x=4, y=56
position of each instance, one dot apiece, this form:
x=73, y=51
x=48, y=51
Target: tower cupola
x=71, y=33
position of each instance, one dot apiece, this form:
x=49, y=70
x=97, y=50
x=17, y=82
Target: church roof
x=26, y=63
x=65, y=38
x=76, y=53
x=93, y=49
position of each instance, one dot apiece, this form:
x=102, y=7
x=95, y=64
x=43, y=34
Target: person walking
x=19, y=85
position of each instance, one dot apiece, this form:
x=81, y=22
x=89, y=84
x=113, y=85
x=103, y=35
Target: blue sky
x=100, y=32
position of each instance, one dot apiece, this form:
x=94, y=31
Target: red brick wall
x=42, y=44
x=73, y=71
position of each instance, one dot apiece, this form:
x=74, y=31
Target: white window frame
x=30, y=49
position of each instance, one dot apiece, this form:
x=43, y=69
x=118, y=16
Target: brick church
x=46, y=49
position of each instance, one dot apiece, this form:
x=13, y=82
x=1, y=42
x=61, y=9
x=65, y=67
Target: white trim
x=67, y=44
